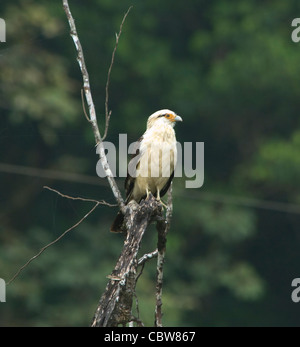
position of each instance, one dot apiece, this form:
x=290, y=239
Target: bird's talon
x=162, y=203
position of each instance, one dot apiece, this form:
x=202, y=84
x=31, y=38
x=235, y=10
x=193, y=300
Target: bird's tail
x=116, y=226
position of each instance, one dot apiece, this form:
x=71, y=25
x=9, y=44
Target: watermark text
x=2, y=290
x=2, y=30
x=296, y=292
x=296, y=32
x=154, y=160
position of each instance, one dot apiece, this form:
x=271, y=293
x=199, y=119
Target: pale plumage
x=157, y=156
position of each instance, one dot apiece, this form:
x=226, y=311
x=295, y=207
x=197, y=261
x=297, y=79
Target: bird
x=151, y=169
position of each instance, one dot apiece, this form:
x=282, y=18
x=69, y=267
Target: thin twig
x=107, y=112
x=137, y=321
x=137, y=309
x=51, y=243
x=147, y=256
x=102, y=202
x=141, y=271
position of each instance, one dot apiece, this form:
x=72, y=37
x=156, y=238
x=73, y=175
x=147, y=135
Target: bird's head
x=164, y=116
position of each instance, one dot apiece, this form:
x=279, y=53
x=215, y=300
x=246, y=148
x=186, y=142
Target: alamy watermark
x=2, y=290
x=296, y=32
x=2, y=30
x=190, y=161
x=296, y=292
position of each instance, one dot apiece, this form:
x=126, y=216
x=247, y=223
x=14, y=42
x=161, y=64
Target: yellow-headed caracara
x=152, y=168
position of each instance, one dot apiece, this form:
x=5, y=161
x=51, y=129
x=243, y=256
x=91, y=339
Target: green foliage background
x=231, y=70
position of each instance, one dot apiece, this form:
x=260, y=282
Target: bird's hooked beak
x=178, y=119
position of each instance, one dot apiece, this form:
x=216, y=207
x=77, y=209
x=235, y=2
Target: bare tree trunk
x=115, y=306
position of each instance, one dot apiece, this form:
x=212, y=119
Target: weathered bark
x=92, y=111
x=163, y=226
x=161, y=248
x=115, y=306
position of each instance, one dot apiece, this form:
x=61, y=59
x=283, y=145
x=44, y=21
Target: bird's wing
x=129, y=181
x=167, y=185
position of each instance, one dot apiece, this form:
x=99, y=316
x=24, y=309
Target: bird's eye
x=167, y=115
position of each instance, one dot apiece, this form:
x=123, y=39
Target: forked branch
x=91, y=107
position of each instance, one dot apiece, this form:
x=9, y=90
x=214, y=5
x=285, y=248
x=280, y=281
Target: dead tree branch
x=116, y=303
x=102, y=202
x=162, y=229
x=52, y=243
x=91, y=107
x=147, y=256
